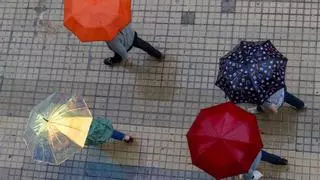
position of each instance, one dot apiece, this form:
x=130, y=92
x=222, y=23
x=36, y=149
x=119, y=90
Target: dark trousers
x=117, y=135
x=270, y=158
x=143, y=45
x=293, y=100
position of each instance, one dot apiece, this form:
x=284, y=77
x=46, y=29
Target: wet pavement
x=155, y=101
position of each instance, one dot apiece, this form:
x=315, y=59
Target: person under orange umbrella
x=106, y=20
x=123, y=43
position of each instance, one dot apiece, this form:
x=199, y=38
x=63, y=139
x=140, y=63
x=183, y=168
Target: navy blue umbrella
x=252, y=72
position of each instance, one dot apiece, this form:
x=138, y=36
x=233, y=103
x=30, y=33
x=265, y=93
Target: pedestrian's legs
x=145, y=46
x=118, y=135
x=272, y=158
x=293, y=100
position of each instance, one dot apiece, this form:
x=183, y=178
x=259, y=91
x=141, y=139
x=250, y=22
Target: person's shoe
x=305, y=107
x=111, y=62
x=129, y=140
x=283, y=161
x=259, y=109
x=161, y=58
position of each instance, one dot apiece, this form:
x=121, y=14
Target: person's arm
x=116, y=46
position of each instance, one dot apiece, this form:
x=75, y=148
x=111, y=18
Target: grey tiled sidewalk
x=155, y=101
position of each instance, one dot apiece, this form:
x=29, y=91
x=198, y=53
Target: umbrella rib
x=74, y=109
x=64, y=104
x=70, y=110
x=237, y=141
x=65, y=126
x=229, y=149
x=233, y=128
x=206, y=135
x=253, y=84
x=38, y=126
x=236, y=69
x=58, y=108
x=52, y=152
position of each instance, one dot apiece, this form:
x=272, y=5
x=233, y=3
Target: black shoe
x=283, y=161
x=111, y=61
x=259, y=109
x=161, y=58
x=129, y=141
x=303, y=108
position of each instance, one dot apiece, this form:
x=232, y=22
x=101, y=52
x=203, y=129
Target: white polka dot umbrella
x=252, y=72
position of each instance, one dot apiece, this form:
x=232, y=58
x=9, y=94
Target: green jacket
x=100, y=131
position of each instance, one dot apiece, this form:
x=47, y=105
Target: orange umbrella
x=96, y=20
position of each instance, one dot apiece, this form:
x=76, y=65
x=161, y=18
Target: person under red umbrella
x=225, y=141
x=266, y=157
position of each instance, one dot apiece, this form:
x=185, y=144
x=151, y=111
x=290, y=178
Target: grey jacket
x=122, y=42
x=253, y=167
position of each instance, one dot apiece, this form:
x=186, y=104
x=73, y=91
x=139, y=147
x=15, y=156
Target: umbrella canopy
x=96, y=20
x=224, y=140
x=57, y=128
x=252, y=72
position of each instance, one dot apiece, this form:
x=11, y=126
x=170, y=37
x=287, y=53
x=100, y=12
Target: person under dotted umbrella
x=277, y=100
x=254, y=72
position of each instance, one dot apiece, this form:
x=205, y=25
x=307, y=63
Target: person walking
x=123, y=43
x=253, y=174
x=101, y=131
x=277, y=99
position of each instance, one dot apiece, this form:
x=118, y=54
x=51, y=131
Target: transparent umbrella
x=57, y=128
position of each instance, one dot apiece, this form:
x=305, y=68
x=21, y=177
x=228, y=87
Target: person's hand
x=272, y=109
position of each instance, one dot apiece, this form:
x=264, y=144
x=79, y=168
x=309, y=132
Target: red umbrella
x=224, y=140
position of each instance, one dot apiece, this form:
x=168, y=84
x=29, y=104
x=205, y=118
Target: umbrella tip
x=46, y=119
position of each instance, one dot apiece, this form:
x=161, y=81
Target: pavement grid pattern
x=155, y=101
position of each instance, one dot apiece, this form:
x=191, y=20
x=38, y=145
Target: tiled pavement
x=155, y=101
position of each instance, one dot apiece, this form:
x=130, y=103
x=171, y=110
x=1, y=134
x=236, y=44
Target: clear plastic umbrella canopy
x=57, y=128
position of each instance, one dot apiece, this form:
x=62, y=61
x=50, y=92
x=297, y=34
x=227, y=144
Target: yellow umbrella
x=57, y=128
